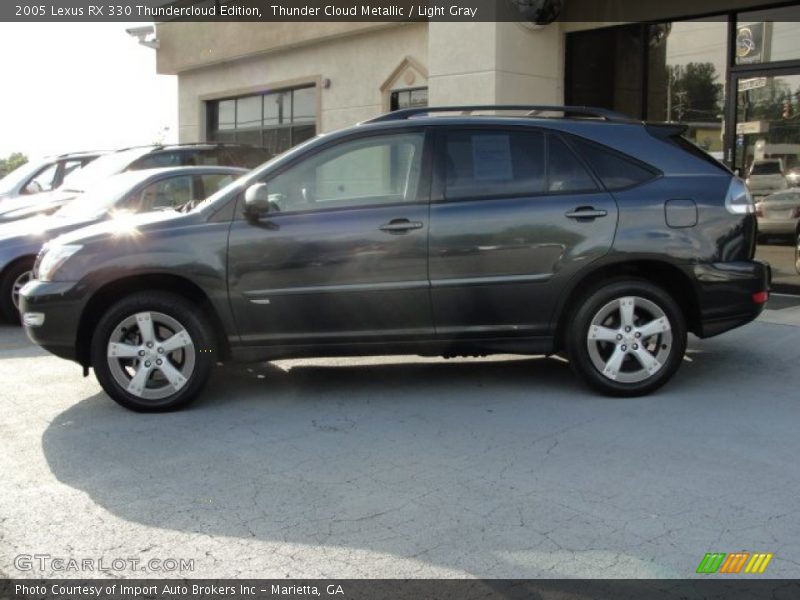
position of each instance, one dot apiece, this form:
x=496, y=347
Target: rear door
x=514, y=213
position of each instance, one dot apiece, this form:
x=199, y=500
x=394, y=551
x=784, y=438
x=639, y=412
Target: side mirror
x=256, y=200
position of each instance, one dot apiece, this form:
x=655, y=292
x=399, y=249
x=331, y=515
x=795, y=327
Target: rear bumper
x=777, y=227
x=59, y=304
x=729, y=294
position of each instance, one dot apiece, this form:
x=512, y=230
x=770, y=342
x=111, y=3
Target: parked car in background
x=116, y=197
x=766, y=176
x=793, y=177
x=591, y=235
x=779, y=214
x=131, y=159
x=42, y=175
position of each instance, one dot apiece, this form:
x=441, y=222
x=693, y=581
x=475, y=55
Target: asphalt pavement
x=409, y=467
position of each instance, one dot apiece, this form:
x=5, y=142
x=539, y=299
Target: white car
x=766, y=176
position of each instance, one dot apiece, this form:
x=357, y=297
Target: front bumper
x=60, y=305
x=730, y=294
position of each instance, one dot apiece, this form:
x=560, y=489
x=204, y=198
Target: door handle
x=400, y=226
x=586, y=212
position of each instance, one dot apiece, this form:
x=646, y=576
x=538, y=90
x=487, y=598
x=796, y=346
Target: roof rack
x=531, y=110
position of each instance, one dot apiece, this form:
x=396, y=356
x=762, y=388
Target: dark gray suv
x=557, y=230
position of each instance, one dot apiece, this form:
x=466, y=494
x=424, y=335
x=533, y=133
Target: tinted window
x=494, y=164
x=165, y=193
x=615, y=171
x=379, y=170
x=565, y=171
x=766, y=168
x=205, y=185
x=157, y=160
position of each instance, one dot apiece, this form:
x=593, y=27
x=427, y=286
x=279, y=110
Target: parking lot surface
x=404, y=467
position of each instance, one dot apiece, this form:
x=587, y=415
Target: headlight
x=739, y=201
x=53, y=258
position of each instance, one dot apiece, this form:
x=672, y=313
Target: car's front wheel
x=153, y=351
x=11, y=283
x=627, y=338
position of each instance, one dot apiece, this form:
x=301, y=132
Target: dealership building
x=729, y=70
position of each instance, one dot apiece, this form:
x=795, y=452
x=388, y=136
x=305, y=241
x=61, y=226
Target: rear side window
x=494, y=164
x=156, y=160
x=614, y=170
x=565, y=172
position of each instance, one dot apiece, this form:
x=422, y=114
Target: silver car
x=766, y=176
x=779, y=213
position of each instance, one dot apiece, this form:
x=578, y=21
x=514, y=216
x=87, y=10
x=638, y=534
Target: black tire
x=666, y=348
x=167, y=312
x=8, y=308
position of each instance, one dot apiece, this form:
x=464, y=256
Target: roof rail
x=531, y=110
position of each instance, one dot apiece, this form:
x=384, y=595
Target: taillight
x=739, y=201
x=760, y=297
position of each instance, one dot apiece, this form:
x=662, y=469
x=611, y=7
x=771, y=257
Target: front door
x=342, y=254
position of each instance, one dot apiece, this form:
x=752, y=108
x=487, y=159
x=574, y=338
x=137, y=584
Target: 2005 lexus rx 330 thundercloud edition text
x=530, y=230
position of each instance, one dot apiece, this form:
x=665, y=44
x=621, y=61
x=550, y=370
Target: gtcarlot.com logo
x=61, y=564
x=737, y=562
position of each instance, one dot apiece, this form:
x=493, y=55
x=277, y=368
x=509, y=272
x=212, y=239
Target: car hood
x=127, y=225
x=27, y=206
x=39, y=229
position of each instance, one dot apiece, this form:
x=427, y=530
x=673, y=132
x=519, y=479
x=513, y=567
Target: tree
x=695, y=94
x=14, y=160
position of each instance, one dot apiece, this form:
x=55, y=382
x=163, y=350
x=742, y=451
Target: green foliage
x=14, y=160
x=696, y=95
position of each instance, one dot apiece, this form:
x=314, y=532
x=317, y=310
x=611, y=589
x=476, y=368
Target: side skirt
x=448, y=347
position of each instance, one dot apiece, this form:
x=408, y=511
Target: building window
x=660, y=72
x=411, y=98
x=275, y=120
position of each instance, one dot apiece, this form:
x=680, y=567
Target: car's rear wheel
x=153, y=351
x=11, y=283
x=627, y=338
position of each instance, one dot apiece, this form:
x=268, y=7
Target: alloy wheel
x=151, y=355
x=629, y=339
x=18, y=284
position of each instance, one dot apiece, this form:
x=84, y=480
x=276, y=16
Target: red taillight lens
x=760, y=297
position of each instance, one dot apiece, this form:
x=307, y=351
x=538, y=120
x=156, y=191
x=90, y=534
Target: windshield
x=100, y=197
x=766, y=168
x=20, y=174
x=105, y=166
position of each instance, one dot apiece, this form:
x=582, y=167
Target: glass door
x=767, y=130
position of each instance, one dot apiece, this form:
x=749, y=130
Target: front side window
x=164, y=193
x=43, y=181
x=365, y=172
